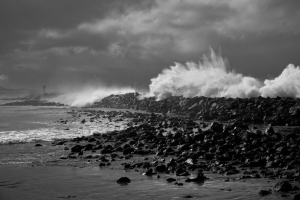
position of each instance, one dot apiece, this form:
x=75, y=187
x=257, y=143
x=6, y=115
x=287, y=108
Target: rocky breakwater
x=33, y=102
x=189, y=150
x=276, y=111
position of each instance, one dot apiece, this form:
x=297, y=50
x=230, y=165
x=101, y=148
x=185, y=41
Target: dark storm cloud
x=129, y=42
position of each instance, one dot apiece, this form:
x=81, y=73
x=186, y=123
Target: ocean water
x=21, y=127
x=23, y=124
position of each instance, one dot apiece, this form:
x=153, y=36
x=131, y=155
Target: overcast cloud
x=129, y=42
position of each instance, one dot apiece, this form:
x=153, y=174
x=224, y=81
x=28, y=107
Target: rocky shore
x=33, y=102
x=276, y=111
x=187, y=150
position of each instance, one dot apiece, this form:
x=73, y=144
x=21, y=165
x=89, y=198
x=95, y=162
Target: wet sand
x=88, y=181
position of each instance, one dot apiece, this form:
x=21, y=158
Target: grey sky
x=128, y=42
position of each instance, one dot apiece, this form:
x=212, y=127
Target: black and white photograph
x=149, y=99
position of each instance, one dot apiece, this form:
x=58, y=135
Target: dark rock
x=127, y=166
x=92, y=140
x=297, y=197
x=170, y=179
x=88, y=156
x=88, y=147
x=102, y=164
x=179, y=184
x=232, y=171
x=72, y=156
x=59, y=142
x=282, y=186
x=183, y=147
x=208, y=156
x=146, y=165
x=105, y=151
x=38, y=145
x=187, y=197
x=161, y=168
x=179, y=171
x=128, y=150
x=216, y=127
x=255, y=176
x=77, y=148
x=264, y=192
x=269, y=130
x=199, y=178
x=123, y=180
x=186, y=173
x=149, y=172
x=270, y=164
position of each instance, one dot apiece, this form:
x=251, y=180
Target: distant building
x=44, y=89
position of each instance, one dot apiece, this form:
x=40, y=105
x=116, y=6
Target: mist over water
x=212, y=78
x=89, y=95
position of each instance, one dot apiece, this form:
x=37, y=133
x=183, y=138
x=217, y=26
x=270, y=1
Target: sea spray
x=211, y=78
x=287, y=84
x=89, y=95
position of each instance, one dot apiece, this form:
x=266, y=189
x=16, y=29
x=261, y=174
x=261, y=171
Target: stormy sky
x=128, y=42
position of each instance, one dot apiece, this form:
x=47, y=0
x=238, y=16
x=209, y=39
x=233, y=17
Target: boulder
x=149, y=172
x=282, y=186
x=123, y=180
x=161, y=168
x=199, y=178
x=264, y=192
x=297, y=197
x=77, y=148
x=170, y=179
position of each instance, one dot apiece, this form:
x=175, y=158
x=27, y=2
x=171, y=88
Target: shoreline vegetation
x=186, y=148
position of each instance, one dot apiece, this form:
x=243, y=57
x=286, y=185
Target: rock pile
x=183, y=147
x=276, y=111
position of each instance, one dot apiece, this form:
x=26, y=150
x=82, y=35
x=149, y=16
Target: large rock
x=297, y=197
x=264, y=192
x=161, y=168
x=123, y=180
x=77, y=148
x=282, y=186
x=199, y=178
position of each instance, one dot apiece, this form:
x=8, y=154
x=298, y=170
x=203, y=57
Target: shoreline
x=175, y=155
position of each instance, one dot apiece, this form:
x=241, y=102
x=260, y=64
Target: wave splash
x=287, y=84
x=211, y=78
x=89, y=95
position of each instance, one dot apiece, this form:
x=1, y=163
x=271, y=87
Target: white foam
x=89, y=95
x=49, y=134
x=211, y=78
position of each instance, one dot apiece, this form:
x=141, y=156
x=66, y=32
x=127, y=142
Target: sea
x=21, y=127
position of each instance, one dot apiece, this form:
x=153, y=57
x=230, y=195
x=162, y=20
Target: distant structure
x=44, y=89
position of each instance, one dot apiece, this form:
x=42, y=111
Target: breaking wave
x=89, y=95
x=211, y=78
